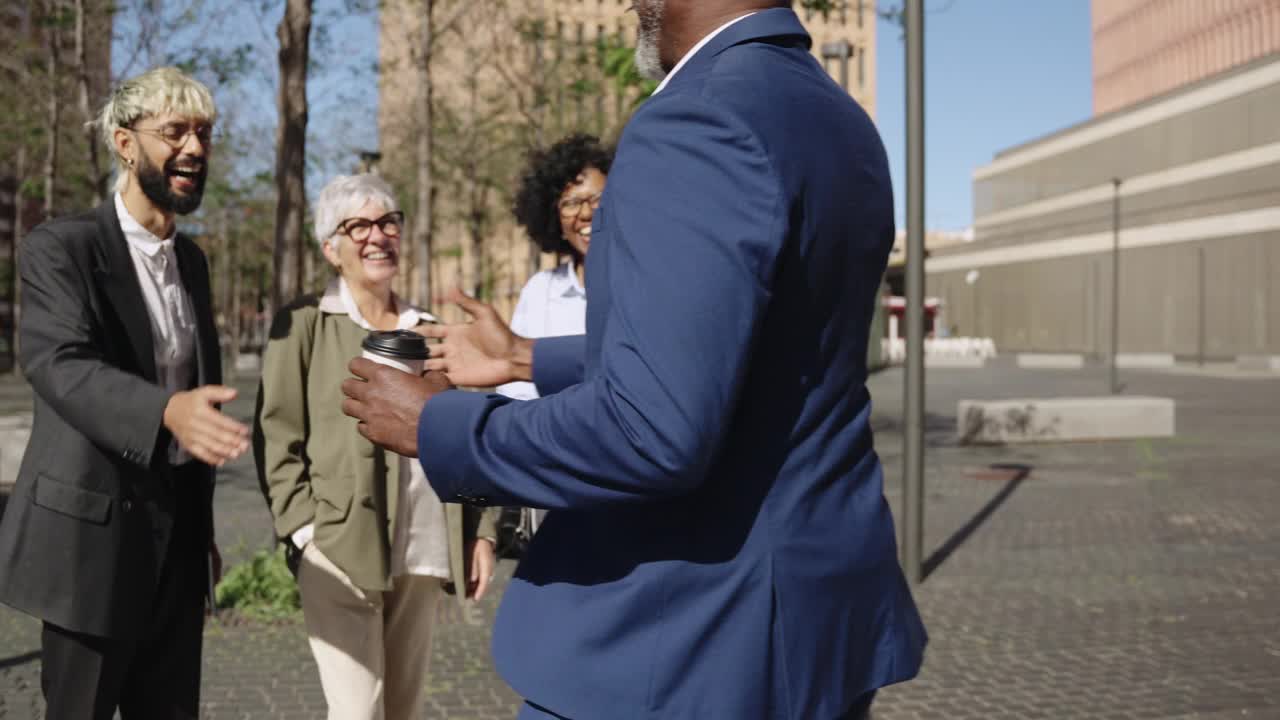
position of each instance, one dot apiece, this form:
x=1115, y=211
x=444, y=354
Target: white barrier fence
x=941, y=352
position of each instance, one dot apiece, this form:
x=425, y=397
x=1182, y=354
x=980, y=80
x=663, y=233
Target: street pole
x=1200, y=301
x=913, y=459
x=1115, y=284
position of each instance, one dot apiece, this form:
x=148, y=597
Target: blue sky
x=997, y=73
x=342, y=88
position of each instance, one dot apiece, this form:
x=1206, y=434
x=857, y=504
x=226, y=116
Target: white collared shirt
x=173, y=321
x=694, y=51
x=552, y=303
x=421, y=542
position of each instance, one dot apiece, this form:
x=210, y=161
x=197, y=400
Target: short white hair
x=155, y=92
x=344, y=196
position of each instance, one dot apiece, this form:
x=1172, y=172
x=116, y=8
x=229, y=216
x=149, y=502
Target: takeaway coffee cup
x=401, y=349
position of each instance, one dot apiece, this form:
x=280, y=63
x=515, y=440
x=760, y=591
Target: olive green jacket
x=315, y=468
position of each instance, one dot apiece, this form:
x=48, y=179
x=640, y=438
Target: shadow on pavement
x=1017, y=473
x=17, y=660
x=939, y=430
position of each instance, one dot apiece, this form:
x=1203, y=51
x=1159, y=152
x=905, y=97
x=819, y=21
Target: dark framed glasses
x=573, y=205
x=358, y=229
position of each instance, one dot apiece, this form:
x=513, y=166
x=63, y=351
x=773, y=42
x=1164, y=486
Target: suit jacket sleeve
x=62, y=355
x=694, y=222
x=558, y=362
x=280, y=422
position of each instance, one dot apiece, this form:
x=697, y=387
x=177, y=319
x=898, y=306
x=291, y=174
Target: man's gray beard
x=648, y=63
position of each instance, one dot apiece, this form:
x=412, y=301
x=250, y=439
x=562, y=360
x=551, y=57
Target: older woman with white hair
x=373, y=544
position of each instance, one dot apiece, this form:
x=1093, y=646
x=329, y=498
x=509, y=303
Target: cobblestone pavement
x=1134, y=579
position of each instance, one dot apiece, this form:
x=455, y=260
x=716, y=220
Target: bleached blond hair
x=154, y=92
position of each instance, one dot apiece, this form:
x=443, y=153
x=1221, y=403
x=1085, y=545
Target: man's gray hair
x=344, y=196
x=154, y=92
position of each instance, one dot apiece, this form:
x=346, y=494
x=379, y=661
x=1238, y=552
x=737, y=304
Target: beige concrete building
x=1144, y=48
x=844, y=40
x=512, y=74
x=1196, y=210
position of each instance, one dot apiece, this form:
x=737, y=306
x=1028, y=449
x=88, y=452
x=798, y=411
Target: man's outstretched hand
x=387, y=402
x=202, y=429
x=480, y=353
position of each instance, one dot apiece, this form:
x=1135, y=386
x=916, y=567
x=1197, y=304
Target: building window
x=839, y=51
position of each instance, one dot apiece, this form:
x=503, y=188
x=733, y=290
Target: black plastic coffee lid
x=399, y=344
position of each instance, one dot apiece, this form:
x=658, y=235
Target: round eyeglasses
x=175, y=133
x=572, y=206
x=358, y=229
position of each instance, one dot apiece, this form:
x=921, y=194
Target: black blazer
x=84, y=536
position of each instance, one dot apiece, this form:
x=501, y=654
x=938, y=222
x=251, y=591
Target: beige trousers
x=372, y=648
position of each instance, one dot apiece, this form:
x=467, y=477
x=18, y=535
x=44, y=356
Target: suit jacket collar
x=779, y=25
x=120, y=282
x=196, y=284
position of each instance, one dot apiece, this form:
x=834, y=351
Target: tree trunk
x=294, y=33
x=225, y=273
x=540, y=141
x=235, y=322
x=422, y=224
x=97, y=179
x=476, y=225
x=488, y=281
x=52, y=38
x=308, y=267
x=236, y=327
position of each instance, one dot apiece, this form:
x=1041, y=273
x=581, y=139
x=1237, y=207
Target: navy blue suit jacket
x=719, y=545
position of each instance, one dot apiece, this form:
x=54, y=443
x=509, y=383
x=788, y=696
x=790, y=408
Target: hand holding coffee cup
x=389, y=391
x=401, y=349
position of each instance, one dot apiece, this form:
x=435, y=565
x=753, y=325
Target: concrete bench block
x=954, y=361
x=1063, y=419
x=1258, y=363
x=1145, y=360
x=1051, y=361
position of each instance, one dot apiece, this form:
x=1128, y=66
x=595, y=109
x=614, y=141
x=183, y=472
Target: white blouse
x=552, y=303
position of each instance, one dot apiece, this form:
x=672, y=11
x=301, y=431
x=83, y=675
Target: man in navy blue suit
x=718, y=544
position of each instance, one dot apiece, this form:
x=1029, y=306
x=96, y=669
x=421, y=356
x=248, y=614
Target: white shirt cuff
x=303, y=536
x=519, y=390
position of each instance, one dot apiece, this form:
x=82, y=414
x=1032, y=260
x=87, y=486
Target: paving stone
x=1123, y=580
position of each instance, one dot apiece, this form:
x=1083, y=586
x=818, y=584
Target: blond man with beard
x=108, y=537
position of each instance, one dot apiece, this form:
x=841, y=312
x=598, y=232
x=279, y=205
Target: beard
x=648, y=61
x=154, y=182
